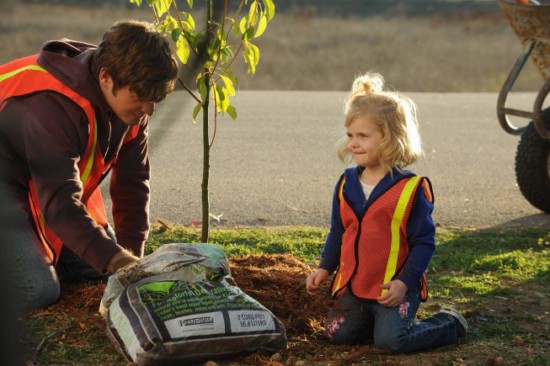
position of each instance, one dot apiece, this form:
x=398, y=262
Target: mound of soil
x=278, y=282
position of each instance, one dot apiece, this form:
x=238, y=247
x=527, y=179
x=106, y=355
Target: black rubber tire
x=533, y=165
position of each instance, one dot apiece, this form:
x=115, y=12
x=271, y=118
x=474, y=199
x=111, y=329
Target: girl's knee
x=389, y=341
x=338, y=331
x=342, y=338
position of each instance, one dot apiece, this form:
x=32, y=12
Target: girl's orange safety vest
x=24, y=76
x=375, y=249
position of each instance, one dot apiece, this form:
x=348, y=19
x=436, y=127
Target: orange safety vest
x=24, y=76
x=375, y=249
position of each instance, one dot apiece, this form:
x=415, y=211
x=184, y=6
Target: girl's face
x=364, y=138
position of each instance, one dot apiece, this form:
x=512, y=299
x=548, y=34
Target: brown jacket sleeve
x=48, y=133
x=130, y=192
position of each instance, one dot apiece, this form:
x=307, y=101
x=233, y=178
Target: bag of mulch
x=180, y=305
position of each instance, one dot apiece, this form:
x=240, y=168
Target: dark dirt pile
x=278, y=282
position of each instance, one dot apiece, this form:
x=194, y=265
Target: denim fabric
x=34, y=280
x=31, y=277
x=354, y=321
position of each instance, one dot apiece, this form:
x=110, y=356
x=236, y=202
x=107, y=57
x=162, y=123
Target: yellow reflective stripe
x=395, y=226
x=86, y=173
x=15, y=72
x=338, y=283
x=341, y=194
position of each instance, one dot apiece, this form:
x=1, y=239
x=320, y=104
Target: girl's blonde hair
x=393, y=112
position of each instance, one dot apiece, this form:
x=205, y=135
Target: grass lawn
x=498, y=279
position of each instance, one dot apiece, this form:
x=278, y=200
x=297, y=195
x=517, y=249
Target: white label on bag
x=196, y=325
x=250, y=321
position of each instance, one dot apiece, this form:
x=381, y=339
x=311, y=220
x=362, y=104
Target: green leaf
x=227, y=53
x=249, y=34
x=236, y=28
x=217, y=98
x=189, y=23
x=168, y=24
x=190, y=3
x=227, y=72
x=203, y=89
x=151, y=2
x=175, y=34
x=262, y=25
x=196, y=111
x=213, y=51
x=137, y=2
x=232, y=112
x=228, y=85
x=222, y=99
x=269, y=9
x=243, y=25
x=182, y=50
x=252, y=13
x=251, y=56
x=162, y=6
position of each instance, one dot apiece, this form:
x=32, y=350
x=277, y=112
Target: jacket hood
x=70, y=61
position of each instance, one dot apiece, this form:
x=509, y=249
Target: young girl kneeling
x=382, y=235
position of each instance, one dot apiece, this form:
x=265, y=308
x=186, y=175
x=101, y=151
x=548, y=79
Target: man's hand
x=395, y=295
x=120, y=260
x=315, y=280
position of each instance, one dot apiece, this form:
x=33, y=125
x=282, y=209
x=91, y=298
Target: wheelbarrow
x=531, y=22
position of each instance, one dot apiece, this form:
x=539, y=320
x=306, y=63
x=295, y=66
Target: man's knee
x=38, y=291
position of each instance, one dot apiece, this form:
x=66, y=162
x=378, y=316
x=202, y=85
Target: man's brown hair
x=137, y=55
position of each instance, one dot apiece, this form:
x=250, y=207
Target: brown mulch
x=278, y=283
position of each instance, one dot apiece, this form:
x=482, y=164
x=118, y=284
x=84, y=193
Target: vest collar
x=353, y=190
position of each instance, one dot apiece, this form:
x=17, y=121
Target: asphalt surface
x=276, y=164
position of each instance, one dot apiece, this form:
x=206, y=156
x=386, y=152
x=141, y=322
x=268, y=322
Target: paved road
x=276, y=165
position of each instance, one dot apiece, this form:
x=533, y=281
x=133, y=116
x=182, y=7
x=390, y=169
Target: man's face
x=124, y=102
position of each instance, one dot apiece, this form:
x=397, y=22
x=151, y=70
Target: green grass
x=489, y=263
x=500, y=278
x=303, y=242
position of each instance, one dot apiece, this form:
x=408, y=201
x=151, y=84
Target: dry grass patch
x=460, y=52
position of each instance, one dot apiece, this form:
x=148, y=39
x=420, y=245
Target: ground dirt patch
x=277, y=281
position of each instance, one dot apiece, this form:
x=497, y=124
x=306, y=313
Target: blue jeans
x=354, y=321
x=33, y=279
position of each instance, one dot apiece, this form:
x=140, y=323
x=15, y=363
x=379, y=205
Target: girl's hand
x=395, y=295
x=315, y=280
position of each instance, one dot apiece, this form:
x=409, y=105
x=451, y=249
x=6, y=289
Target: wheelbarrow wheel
x=533, y=165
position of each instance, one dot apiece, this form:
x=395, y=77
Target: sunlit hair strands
x=393, y=112
x=137, y=55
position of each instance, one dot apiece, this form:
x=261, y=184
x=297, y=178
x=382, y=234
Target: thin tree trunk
x=206, y=141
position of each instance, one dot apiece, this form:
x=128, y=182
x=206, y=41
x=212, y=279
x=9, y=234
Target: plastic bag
x=192, y=313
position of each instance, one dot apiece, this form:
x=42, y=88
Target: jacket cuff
x=136, y=246
x=329, y=265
